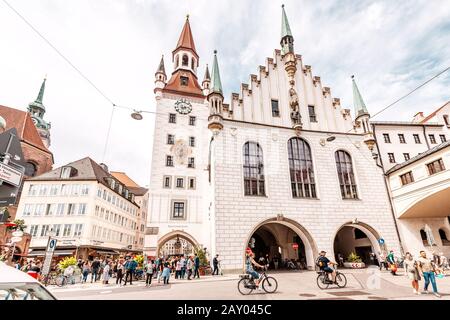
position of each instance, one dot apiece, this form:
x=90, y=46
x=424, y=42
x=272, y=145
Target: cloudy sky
x=390, y=46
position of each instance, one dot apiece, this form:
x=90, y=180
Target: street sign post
x=49, y=256
x=381, y=241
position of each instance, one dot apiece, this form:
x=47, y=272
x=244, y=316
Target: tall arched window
x=423, y=236
x=443, y=236
x=177, y=60
x=185, y=60
x=301, y=169
x=346, y=176
x=253, y=170
x=192, y=63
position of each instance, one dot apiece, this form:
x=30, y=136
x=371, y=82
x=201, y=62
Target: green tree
x=202, y=256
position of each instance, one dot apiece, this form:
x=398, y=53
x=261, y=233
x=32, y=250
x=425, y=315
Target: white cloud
x=391, y=47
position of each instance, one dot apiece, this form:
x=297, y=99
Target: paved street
x=362, y=285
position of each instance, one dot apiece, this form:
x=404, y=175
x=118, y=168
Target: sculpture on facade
x=293, y=102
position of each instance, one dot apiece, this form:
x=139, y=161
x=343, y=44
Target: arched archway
x=359, y=238
x=167, y=245
x=277, y=238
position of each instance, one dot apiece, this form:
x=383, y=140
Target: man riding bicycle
x=249, y=262
x=326, y=265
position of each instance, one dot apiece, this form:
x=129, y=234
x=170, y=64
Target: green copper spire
x=358, y=102
x=216, y=85
x=37, y=104
x=40, y=96
x=285, y=29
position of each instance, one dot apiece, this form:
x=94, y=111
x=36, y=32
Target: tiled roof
x=186, y=40
x=122, y=177
x=21, y=120
x=192, y=88
x=418, y=157
x=431, y=115
x=138, y=191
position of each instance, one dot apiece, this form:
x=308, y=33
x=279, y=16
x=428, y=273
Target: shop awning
x=110, y=252
x=41, y=253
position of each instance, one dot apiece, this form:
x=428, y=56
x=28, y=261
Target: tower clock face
x=183, y=106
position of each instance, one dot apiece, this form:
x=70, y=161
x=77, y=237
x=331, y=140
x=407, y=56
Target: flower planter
x=354, y=265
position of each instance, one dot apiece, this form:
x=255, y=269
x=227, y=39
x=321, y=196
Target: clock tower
x=179, y=202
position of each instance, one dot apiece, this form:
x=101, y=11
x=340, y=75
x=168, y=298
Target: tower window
x=386, y=137
x=416, y=138
x=192, y=141
x=177, y=61
x=312, y=114
x=170, y=139
x=401, y=138
x=167, y=182
x=185, y=60
x=30, y=169
x=178, y=210
x=191, y=183
x=184, y=80
x=180, y=183
x=275, y=109
x=192, y=63
x=191, y=121
x=191, y=162
x=391, y=157
x=432, y=138
x=172, y=118
x=169, y=161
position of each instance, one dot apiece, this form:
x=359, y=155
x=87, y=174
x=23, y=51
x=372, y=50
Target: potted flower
x=204, y=264
x=354, y=261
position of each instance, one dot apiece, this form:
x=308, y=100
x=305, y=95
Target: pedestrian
x=196, y=266
x=106, y=270
x=95, y=267
x=189, y=267
x=85, y=271
x=427, y=269
x=216, y=265
x=166, y=273
x=160, y=268
x=183, y=266
x=68, y=273
x=120, y=268
x=178, y=268
x=149, y=268
x=340, y=260
x=391, y=262
x=413, y=273
x=275, y=262
x=130, y=267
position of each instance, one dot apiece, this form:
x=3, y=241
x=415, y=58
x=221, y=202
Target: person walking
x=391, y=262
x=196, y=266
x=216, y=265
x=68, y=273
x=412, y=272
x=106, y=269
x=95, y=267
x=120, y=269
x=130, y=267
x=178, y=268
x=149, y=269
x=160, y=268
x=183, y=267
x=427, y=269
x=189, y=267
x=166, y=273
x=85, y=271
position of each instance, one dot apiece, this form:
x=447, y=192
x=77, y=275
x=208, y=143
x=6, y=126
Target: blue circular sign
x=52, y=243
x=381, y=241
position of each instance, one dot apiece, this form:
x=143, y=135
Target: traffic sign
x=381, y=241
x=16, y=239
x=51, y=246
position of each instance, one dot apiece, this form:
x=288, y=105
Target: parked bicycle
x=324, y=279
x=247, y=284
x=56, y=279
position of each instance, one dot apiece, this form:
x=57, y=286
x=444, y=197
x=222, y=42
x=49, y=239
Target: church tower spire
x=215, y=99
x=358, y=102
x=185, y=63
x=206, y=81
x=362, y=117
x=37, y=111
x=287, y=40
x=160, y=78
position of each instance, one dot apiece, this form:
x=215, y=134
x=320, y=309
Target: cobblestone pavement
x=364, y=284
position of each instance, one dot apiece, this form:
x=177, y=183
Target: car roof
x=10, y=274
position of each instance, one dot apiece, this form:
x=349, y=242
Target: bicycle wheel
x=322, y=281
x=60, y=281
x=270, y=284
x=244, y=286
x=341, y=280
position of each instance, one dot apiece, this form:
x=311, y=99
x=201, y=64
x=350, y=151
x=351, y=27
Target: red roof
x=25, y=127
x=431, y=115
x=186, y=40
x=192, y=88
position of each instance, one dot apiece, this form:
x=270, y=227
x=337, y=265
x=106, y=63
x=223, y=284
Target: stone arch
x=311, y=250
x=172, y=235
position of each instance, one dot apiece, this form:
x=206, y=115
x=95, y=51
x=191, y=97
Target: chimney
x=104, y=167
x=418, y=117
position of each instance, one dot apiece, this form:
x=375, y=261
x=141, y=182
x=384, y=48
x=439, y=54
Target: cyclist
x=326, y=265
x=249, y=262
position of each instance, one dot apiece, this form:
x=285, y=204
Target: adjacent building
x=81, y=204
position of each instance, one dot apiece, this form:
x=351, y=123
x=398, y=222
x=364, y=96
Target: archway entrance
x=357, y=238
x=176, y=243
x=282, y=241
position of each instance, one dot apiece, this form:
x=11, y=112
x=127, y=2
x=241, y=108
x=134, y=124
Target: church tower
x=37, y=112
x=215, y=99
x=362, y=116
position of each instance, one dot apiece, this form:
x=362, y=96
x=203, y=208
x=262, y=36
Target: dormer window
x=126, y=193
x=120, y=188
x=185, y=60
x=184, y=81
x=65, y=172
x=113, y=184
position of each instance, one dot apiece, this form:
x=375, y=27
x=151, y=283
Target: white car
x=17, y=285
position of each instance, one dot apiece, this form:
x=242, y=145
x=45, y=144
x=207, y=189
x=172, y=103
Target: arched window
x=177, y=61
x=443, y=236
x=423, y=236
x=346, y=176
x=30, y=169
x=185, y=60
x=193, y=64
x=253, y=170
x=301, y=169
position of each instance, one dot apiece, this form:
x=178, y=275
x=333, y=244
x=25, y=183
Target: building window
x=30, y=169
x=416, y=138
x=192, y=63
x=435, y=166
x=443, y=236
x=54, y=189
x=167, y=182
x=57, y=230
x=443, y=139
x=447, y=122
x=178, y=210
x=275, y=109
x=312, y=114
x=391, y=157
x=67, y=232
x=432, y=138
x=301, y=169
x=386, y=137
x=191, y=162
x=407, y=178
x=65, y=172
x=34, y=230
x=50, y=210
x=39, y=209
x=184, y=81
x=44, y=230
x=180, y=183
x=33, y=190
x=192, y=141
x=253, y=170
x=78, y=230
x=82, y=208
x=60, y=209
x=401, y=138
x=170, y=139
x=191, y=183
x=185, y=60
x=192, y=121
x=406, y=155
x=172, y=118
x=71, y=209
x=423, y=236
x=346, y=175
x=169, y=161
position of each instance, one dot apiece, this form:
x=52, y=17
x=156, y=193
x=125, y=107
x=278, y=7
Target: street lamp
x=137, y=115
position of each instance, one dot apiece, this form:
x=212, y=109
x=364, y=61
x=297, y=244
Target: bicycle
x=323, y=279
x=247, y=284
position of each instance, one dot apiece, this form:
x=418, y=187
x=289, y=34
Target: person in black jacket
x=216, y=265
x=95, y=267
x=196, y=266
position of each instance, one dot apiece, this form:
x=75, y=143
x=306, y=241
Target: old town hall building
x=280, y=167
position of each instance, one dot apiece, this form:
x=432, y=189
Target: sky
x=390, y=46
